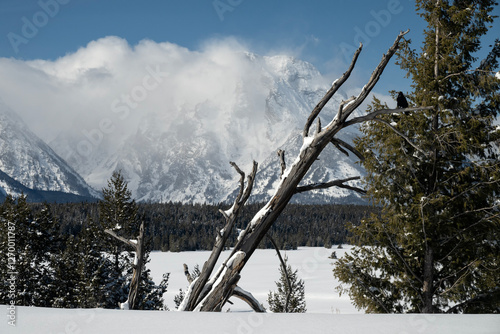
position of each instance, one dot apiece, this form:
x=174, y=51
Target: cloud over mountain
x=169, y=117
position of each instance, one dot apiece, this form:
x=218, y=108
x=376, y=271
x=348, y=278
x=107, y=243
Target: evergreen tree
x=67, y=278
x=151, y=294
x=9, y=254
x=48, y=246
x=35, y=247
x=178, y=298
x=434, y=248
x=100, y=285
x=290, y=297
x=118, y=212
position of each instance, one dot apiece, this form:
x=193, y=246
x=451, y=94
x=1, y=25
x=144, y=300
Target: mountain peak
x=28, y=160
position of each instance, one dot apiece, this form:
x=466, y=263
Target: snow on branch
x=201, y=286
x=249, y=299
x=131, y=243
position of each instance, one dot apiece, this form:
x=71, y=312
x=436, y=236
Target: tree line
x=181, y=227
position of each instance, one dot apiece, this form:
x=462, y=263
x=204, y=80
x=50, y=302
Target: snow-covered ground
x=327, y=312
x=260, y=274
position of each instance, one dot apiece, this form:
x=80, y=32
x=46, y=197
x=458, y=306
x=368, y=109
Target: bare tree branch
x=465, y=72
x=249, y=299
x=221, y=286
x=122, y=239
x=138, y=246
x=365, y=91
x=335, y=87
x=281, y=155
x=318, y=127
x=201, y=287
x=336, y=183
x=371, y=116
x=339, y=143
x=188, y=274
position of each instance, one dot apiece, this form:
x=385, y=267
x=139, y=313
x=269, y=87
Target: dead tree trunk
x=138, y=265
x=210, y=295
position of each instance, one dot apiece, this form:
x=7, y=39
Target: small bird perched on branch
x=401, y=100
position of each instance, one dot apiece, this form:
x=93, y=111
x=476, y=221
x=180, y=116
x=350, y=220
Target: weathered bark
x=216, y=294
x=249, y=299
x=229, y=277
x=201, y=285
x=138, y=265
x=281, y=155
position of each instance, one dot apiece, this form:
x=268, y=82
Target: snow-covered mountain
x=182, y=152
x=29, y=166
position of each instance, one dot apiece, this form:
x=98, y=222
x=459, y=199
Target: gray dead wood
x=201, y=285
x=138, y=266
x=210, y=296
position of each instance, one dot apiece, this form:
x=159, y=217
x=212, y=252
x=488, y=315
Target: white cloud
x=80, y=89
x=103, y=91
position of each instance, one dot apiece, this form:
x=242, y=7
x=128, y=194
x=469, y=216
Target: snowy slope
x=182, y=152
x=28, y=160
x=44, y=320
x=9, y=186
x=327, y=312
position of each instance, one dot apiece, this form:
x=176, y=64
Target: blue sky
x=323, y=32
x=313, y=30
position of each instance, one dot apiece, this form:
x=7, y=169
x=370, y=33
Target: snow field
x=260, y=274
x=96, y=321
x=326, y=311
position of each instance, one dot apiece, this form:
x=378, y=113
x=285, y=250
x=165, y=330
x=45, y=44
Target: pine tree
x=290, y=296
x=67, y=278
x=9, y=254
x=48, y=245
x=435, y=246
x=119, y=218
x=151, y=294
x=36, y=247
x=100, y=285
x=118, y=212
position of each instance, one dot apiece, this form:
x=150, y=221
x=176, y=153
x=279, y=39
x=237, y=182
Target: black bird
x=401, y=100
